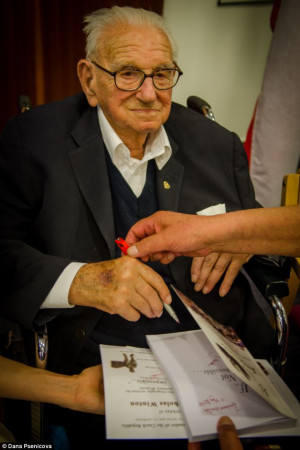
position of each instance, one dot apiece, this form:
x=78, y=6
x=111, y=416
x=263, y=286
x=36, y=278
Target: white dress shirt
x=134, y=172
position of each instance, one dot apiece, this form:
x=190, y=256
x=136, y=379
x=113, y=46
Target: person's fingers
x=148, y=292
x=216, y=272
x=196, y=268
x=145, y=292
x=237, y=261
x=150, y=245
x=230, y=275
x=163, y=257
x=141, y=229
x=151, y=225
x=209, y=270
x=207, y=266
x=194, y=446
x=157, y=283
x=228, y=436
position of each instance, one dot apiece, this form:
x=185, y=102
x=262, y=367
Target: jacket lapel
x=89, y=166
x=169, y=181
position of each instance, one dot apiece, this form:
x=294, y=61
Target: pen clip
x=122, y=244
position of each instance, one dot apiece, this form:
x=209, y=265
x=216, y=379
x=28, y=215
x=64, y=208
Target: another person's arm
x=256, y=231
x=83, y=392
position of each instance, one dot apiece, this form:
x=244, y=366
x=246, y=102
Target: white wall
x=222, y=52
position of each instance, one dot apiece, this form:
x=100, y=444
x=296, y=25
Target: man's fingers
x=157, y=283
x=150, y=291
x=220, y=267
x=237, y=261
x=209, y=273
x=127, y=308
x=196, y=268
x=228, y=436
x=152, y=308
x=206, y=272
x=230, y=276
x=123, y=286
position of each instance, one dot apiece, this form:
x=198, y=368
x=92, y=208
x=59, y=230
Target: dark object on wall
x=24, y=103
x=243, y=2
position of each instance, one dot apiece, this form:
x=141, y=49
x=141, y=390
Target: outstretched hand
x=165, y=235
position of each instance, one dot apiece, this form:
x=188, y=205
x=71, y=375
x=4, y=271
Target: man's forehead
x=129, y=44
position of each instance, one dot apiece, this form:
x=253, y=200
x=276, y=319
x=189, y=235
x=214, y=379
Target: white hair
x=98, y=21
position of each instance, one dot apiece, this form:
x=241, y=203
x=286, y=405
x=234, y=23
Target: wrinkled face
x=143, y=110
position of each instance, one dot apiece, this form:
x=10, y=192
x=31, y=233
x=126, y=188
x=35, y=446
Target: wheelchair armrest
x=269, y=275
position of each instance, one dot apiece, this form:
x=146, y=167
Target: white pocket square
x=213, y=210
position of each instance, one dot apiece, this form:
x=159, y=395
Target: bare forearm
x=27, y=383
x=83, y=392
x=165, y=235
x=260, y=231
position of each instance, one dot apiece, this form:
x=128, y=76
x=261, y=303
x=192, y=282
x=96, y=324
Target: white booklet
x=211, y=373
x=139, y=399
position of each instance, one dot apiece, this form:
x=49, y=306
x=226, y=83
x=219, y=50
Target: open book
x=188, y=380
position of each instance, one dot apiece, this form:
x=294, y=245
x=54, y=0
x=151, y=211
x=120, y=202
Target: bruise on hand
x=105, y=277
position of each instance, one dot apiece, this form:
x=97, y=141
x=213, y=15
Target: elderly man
x=76, y=174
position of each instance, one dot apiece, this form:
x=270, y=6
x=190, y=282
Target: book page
x=206, y=388
x=139, y=399
x=236, y=356
x=285, y=392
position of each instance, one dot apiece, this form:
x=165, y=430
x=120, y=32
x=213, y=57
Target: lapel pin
x=166, y=185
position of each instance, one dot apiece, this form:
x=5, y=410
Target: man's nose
x=147, y=91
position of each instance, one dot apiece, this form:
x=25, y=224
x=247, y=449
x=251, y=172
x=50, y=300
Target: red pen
x=122, y=244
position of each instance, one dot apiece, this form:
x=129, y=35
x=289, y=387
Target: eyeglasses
x=130, y=79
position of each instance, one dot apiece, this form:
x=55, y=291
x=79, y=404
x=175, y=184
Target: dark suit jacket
x=56, y=207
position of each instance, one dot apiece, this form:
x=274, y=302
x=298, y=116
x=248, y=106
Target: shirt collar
x=158, y=146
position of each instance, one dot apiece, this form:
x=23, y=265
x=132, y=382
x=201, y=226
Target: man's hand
x=207, y=271
x=123, y=286
x=228, y=437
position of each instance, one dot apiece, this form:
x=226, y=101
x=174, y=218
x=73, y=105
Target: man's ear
x=86, y=76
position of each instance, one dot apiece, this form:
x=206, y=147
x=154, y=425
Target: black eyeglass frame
x=150, y=75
